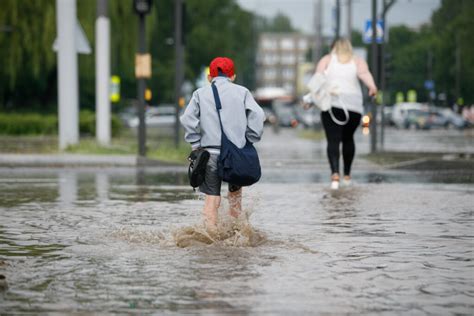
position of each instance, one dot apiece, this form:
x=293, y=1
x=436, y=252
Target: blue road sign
x=429, y=85
x=367, y=36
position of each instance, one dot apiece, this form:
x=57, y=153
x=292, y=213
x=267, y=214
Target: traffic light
x=148, y=95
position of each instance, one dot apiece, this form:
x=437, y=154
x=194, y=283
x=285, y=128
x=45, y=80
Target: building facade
x=278, y=58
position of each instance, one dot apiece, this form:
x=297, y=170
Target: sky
x=409, y=12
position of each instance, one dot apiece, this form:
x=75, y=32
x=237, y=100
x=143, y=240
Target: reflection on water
x=132, y=242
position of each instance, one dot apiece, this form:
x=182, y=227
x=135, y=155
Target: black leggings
x=336, y=134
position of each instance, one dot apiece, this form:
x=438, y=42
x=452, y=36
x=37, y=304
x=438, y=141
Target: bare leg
x=335, y=181
x=235, y=203
x=211, y=204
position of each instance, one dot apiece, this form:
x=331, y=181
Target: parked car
x=402, y=110
x=270, y=116
x=286, y=113
x=159, y=116
x=128, y=114
x=308, y=118
x=454, y=120
x=417, y=119
x=388, y=115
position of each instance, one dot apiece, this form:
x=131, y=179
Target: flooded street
x=83, y=240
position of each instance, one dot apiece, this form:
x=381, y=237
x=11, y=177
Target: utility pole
x=338, y=19
x=102, y=71
x=179, y=61
x=458, y=69
x=318, y=25
x=141, y=90
x=142, y=71
x=373, y=121
x=386, y=6
x=429, y=66
x=68, y=96
x=349, y=20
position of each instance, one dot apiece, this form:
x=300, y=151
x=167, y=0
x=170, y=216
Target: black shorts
x=212, y=182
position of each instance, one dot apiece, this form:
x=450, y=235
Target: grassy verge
x=161, y=148
x=388, y=158
x=28, y=144
x=311, y=134
x=166, y=151
x=21, y=124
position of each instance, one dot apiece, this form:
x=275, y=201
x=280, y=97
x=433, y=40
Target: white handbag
x=321, y=93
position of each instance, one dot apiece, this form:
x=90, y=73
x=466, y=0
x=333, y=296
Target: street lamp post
x=374, y=62
x=386, y=5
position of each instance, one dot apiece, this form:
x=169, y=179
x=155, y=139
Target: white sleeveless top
x=343, y=77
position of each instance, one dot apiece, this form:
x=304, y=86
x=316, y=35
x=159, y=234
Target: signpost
x=68, y=96
x=179, y=55
x=399, y=97
x=367, y=36
x=142, y=70
x=411, y=95
x=429, y=85
x=102, y=70
x=115, y=89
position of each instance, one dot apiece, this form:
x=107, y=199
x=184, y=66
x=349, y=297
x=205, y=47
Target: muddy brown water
x=122, y=242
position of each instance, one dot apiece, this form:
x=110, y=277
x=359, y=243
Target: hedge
x=37, y=124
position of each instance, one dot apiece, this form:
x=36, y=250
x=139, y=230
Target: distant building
x=278, y=58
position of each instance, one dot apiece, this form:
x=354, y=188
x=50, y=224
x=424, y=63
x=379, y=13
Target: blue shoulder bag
x=238, y=166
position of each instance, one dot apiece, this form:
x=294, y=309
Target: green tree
x=453, y=29
x=280, y=23
x=28, y=62
x=450, y=31
x=28, y=79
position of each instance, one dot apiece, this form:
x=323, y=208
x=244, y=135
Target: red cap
x=226, y=65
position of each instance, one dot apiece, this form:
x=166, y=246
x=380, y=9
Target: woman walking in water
x=342, y=70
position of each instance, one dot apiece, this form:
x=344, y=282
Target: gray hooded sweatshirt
x=241, y=116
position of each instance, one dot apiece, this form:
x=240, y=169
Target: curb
x=74, y=160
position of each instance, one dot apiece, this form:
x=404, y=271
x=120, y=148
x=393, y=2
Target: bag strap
x=218, y=104
x=335, y=120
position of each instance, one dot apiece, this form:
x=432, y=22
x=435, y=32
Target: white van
x=401, y=110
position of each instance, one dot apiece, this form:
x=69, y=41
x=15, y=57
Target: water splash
x=229, y=232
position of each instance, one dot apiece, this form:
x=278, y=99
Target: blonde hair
x=343, y=49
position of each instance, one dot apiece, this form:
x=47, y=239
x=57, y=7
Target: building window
x=289, y=87
x=288, y=73
x=269, y=44
x=303, y=44
x=269, y=74
x=287, y=44
x=288, y=59
x=268, y=59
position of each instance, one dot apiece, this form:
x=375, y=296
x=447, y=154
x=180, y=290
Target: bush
x=28, y=124
x=37, y=124
x=87, y=123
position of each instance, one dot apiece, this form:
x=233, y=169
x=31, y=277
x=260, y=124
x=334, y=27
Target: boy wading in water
x=242, y=118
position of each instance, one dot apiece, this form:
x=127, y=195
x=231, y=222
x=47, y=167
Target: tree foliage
x=280, y=23
x=451, y=27
x=28, y=77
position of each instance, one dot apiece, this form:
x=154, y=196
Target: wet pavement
x=83, y=240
